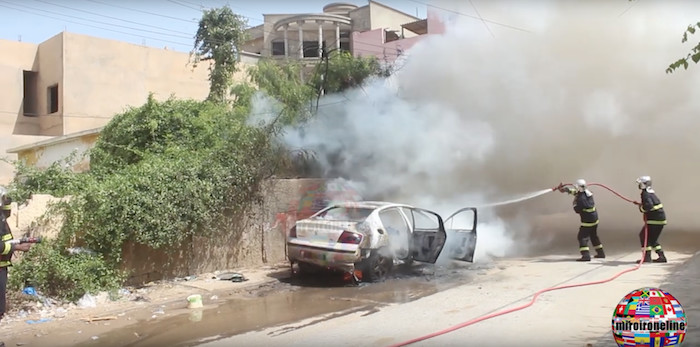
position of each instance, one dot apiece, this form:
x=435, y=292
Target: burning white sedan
x=368, y=238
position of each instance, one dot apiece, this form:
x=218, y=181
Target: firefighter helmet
x=644, y=182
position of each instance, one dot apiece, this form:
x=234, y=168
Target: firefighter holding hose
x=655, y=217
x=584, y=205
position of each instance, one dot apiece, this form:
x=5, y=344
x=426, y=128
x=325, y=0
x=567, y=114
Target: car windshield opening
x=346, y=213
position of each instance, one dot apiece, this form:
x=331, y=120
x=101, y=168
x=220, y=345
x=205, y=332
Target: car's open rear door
x=461, y=234
x=428, y=236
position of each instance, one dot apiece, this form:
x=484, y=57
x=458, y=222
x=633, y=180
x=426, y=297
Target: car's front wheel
x=377, y=266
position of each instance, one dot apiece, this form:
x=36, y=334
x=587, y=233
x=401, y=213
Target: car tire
x=377, y=266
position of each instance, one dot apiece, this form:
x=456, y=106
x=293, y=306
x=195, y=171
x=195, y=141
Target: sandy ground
x=571, y=317
x=154, y=301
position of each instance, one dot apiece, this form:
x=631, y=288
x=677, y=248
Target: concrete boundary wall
x=257, y=238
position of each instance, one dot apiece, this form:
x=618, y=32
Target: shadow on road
x=332, y=279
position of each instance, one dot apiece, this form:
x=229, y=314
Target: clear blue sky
x=157, y=23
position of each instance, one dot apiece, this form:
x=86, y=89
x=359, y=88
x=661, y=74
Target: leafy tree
x=296, y=88
x=343, y=71
x=218, y=40
x=694, y=54
x=284, y=83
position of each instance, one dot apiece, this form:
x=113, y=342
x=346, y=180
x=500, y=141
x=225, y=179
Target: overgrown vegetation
x=168, y=170
x=70, y=277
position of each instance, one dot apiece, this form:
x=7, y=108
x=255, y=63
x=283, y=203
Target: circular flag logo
x=649, y=317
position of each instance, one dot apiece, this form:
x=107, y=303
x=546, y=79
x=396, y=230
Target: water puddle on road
x=284, y=302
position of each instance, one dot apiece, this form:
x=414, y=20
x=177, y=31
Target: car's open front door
x=461, y=234
x=428, y=234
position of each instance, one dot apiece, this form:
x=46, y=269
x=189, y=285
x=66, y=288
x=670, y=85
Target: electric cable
x=28, y=9
x=471, y=16
x=111, y=17
x=146, y=12
x=540, y=292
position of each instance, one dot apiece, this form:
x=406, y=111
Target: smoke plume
x=542, y=92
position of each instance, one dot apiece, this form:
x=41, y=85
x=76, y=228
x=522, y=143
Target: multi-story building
x=72, y=83
x=59, y=93
x=362, y=30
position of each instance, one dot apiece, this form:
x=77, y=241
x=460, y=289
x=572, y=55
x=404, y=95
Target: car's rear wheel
x=378, y=266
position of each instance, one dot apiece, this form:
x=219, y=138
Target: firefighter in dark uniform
x=584, y=205
x=6, y=249
x=655, y=217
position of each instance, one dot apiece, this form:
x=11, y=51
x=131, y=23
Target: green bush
x=57, y=180
x=165, y=171
x=55, y=273
x=159, y=174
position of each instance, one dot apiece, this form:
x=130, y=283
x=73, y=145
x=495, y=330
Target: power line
x=482, y=19
x=228, y=3
x=265, y=31
x=634, y=2
x=146, y=12
x=99, y=22
x=115, y=18
x=184, y=5
x=395, y=50
x=472, y=16
x=195, y=4
x=94, y=26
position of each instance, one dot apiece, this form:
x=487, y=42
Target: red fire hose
x=537, y=294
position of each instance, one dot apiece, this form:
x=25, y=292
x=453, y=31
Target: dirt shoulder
x=68, y=325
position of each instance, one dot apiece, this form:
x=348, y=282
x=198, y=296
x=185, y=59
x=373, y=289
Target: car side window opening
x=424, y=221
x=461, y=221
x=346, y=213
x=398, y=231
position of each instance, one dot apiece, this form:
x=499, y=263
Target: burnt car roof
x=368, y=204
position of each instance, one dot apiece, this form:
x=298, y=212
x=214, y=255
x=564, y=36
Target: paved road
x=571, y=317
x=683, y=283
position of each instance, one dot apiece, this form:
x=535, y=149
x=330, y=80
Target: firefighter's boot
x=585, y=256
x=599, y=253
x=661, y=258
x=647, y=257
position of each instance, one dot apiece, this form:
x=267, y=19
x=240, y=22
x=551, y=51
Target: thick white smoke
x=476, y=115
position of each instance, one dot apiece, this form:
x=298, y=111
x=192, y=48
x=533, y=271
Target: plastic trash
x=87, y=301
x=232, y=276
x=29, y=291
x=43, y=320
x=80, y=250
x=194, y=301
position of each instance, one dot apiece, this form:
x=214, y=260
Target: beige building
x=305, y=35
x=73, y=83
x=59, y=93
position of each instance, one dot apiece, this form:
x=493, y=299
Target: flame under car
x=369, y=238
